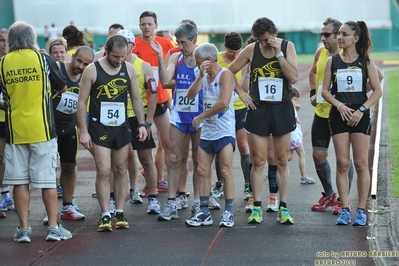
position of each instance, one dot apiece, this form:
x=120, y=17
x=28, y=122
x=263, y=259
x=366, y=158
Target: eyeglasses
x=327, y=34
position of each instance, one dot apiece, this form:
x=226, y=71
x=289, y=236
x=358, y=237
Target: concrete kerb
x=383, y=214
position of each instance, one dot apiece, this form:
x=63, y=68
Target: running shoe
x=105, y=224
x=217, y=190
x=181, y=202
x=144, y=192
x=120, y=221
x=112, y=206
x=272, y=206
x=344, y=217
x=200, y=219
x=45, y=219
x=284, y=216
x=168, y=213
x=162, y=186
x=6, y=203
x=213, y=203
x=2, y=214
x=154, y=207
x=59, y=191
x=256, y=215
x=58, y=233
x=247, y=192
x=307, y=180
x=135, y=196
x=94, y=194
x=71, y=213
x=325, y=202
x=227, y=219
x=22, y=235
x=360, y=219
x=187, y=194
x=250, y=205
x=195, y=209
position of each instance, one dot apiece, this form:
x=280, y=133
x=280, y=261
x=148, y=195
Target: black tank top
x=262, y=67
x=109, y=88
x=65, y=120
x=348, y=93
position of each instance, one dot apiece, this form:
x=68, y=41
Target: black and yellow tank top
x=108, y=97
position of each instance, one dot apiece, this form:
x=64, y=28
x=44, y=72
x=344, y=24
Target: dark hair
x=263, y=25
x=364, y=44
x=116, y=41
x=116, y=26
x=86, y=50
x=335, y=22
x=250, y=40
x=295, y=93
x=73, y=36
x=148, y=14
x=233, y=40
x=189, y=21
x=187, y=30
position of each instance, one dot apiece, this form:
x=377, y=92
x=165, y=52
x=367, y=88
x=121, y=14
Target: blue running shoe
x=6, y=204
x=200, y=219
x=59, y=191
x=360, y=219
x=344, y=217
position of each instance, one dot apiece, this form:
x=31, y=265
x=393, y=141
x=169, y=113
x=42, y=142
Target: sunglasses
x=231, y=52
x=326, y=34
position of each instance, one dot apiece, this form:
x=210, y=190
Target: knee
x=69, y=168
x=258, y=161
x=343, y=166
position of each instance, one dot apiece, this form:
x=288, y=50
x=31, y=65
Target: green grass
x=304, y=59
x=393, y=120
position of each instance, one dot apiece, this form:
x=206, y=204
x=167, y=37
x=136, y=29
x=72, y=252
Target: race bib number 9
x=270, y=89
x=349, y=80
x=112, y=114
x=68, y=103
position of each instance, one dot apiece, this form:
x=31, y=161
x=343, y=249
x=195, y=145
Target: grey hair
x=21, y=35
x=207, y=50
x=4, y=31
x=187, y=30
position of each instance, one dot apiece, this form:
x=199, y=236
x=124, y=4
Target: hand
x=155, y=46
x=355, y=118
x=249, y=102
x=196, y=121
x=313, y=100
x=275, y=43
x=142, y=134
x=148, y=132
x=346, y=112
x=203, y=67
x=85, y=140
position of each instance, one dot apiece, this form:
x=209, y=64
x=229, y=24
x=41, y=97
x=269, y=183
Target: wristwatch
x=148, y=124
x=142, y=125
x=362, y=108
x=280, y=54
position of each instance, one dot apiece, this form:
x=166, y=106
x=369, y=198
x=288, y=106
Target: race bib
x=208, y=103
x=68, y=103
x=183, y=104
x=319, y=98
x=349, y=80
x=270, y=89
x=112, y=114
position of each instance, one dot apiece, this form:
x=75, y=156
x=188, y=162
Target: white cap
x=127, y=34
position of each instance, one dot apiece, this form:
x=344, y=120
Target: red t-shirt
x=145, y=52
